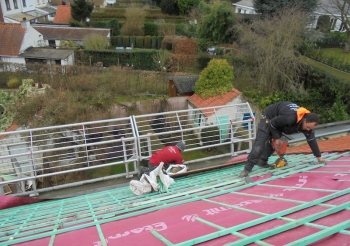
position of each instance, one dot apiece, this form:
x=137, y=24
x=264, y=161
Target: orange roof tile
x=63, y=15
x=12, y=36
x=338, y=144
x=219, y=100
x=10, y=129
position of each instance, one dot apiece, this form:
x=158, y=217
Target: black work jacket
x=283, y=118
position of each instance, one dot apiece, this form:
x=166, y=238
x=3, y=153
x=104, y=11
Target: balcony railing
x=55, y=157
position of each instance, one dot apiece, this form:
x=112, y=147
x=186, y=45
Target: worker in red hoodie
x=168, y=155
x=278, y=118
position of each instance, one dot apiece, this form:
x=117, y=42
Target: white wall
x=40, y=3
x=232, y=113
x=244, y=9
x=12, y=7
x=29, y=6
x=16, y=62
x=64, y=62
x=31, y=38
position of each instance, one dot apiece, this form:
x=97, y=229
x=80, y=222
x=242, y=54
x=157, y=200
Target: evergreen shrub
x=147, y=42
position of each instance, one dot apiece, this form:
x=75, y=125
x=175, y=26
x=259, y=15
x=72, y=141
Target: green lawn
x=336, y=52
x=329, y=69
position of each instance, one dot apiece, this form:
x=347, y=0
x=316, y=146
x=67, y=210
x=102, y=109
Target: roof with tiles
x=184, y=83
x=63, y=15
x=10, y=129
x=338, y=144
x=219, y=100
x=69, y=33
x=11, y=38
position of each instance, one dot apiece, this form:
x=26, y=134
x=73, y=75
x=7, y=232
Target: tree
x=95, y=41
x=114, y=25
x=342, y=8
x=81, y=9
x=134, y=25
x=160, y=60
x=169, y=7
x=215, y=79
x=271, y=50
x=216, y=23
x=186, y=5
x=324, y=23
x=270, y=7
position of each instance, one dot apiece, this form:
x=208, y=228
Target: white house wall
x=239, y=9
x=32, y=38
x=29, y=6
x=14, y=62
x=232, y=113
x=68, y=61
x=40, y=3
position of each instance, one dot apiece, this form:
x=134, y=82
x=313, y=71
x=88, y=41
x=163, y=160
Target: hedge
x=137, y=41
x=140, y=59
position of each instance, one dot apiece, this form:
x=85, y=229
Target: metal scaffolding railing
x=50, y=158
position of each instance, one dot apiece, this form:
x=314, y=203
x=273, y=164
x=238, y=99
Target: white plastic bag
x=182, y=170
x=165, y=179
x=140, y=188
x=149, y=182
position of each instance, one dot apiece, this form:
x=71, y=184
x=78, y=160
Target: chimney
x=25, y=23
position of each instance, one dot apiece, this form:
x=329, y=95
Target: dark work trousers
x=262, y=148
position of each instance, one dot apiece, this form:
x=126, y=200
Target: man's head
x=310, y=121
x=181, y=146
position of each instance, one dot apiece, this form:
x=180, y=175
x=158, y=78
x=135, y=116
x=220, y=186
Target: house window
x=38, y=1
x=24, y=3
x=43, y=1
x=15, y=4
x=333, y=22
x=8, y=4
x=52, y=43
x=197, y=118
x=239, y=10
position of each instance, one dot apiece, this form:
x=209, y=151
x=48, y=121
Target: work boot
x=263, y=164
x=244, y=173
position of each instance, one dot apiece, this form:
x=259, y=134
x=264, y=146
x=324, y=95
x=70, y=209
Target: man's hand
x=320, y=160
x=278, y=144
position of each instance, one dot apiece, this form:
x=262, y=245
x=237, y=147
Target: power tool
x=280, y=150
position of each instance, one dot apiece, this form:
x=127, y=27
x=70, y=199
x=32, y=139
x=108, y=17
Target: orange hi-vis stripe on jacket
x=301, y=112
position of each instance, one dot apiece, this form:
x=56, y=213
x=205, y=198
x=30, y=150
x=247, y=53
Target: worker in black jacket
x=278, y=118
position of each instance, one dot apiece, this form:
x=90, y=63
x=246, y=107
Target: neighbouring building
x=325, y=7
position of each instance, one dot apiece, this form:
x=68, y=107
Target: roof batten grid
x=144, y=209
x=322, y=234
x=123, y=195
x=238, y=234
x=267, y=218
x=52, y=238
x=98, y=226
x=295, y=222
